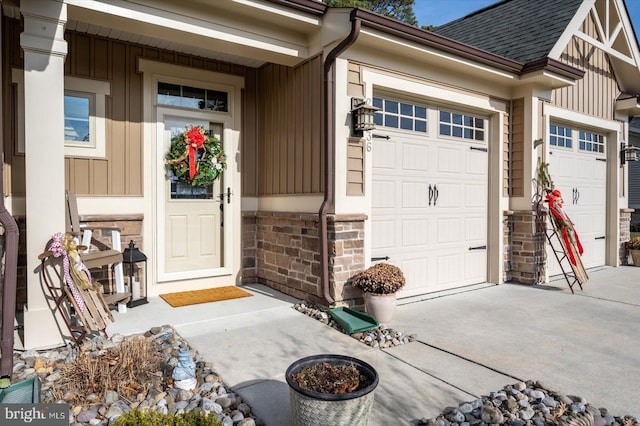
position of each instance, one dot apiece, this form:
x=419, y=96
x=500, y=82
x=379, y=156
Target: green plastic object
x=353, y=321
x=24, y=392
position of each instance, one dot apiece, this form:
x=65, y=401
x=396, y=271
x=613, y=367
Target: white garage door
x=430, y=195
x=578, y=167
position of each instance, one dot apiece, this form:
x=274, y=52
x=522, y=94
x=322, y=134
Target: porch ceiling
x=167, y=44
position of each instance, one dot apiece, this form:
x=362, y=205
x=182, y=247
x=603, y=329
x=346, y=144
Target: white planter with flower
x=380, y=283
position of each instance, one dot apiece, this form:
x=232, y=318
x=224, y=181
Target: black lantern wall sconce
x=362, y=116
x=628, y=153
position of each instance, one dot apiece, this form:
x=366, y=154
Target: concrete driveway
x=469, y=342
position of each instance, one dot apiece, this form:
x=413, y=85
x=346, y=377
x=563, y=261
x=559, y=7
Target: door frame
x=160, y=183
x=153, y=72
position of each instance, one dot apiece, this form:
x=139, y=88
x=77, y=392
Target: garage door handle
x=577, y=195
x=478, y=248
x=430, y=194
x=600, y=238
x=435, y=194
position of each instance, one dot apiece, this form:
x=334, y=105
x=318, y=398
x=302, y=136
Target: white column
x=44, y=52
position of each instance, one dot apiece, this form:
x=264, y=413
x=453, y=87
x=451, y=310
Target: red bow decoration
x=555, y=207
x=196, y=140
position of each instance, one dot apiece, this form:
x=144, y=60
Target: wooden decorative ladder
x=573, y=274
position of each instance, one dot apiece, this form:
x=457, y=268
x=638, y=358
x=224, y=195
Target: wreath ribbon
x=196, y=141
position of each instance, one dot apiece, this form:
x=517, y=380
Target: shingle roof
x=522, y=30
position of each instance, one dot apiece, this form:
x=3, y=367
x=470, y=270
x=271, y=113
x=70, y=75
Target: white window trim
x=99, y=89
x=485, y=129
x=97, y=122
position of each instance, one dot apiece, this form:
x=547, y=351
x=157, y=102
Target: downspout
x=10, y=261
x=329, y=151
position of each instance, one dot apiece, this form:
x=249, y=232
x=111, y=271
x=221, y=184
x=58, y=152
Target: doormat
x=185, y=298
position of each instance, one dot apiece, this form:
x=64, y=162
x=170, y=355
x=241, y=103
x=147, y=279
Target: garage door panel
x=476, y=163
x=416, y=271
x=415, y=232
x=449, y=160
x=414, y=195
x=385, y=155
x=475, y=196
x=450, y=195
x=449, y=230
x=475, y=266
x=449, y=268
x=384, y=235
x=475, y=230
x=382, y=194
x=415, y=157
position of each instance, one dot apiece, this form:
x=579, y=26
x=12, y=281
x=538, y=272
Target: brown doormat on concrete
x=194, y=297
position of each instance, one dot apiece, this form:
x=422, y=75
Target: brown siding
x=249, y=134
x=506, y=155
x=516, y=165
x=355, y=166
x=355, y=86
x=290, y=122
x=595, y=94
x=94, y=57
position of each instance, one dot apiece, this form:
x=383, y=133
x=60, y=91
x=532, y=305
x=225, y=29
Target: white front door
x=190, y=219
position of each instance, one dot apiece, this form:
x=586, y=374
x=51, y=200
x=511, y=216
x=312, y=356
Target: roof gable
x=522, y=30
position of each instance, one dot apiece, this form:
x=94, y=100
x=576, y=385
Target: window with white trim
x=591, y=142
x=84, y=115
x=79, y=119
x=400, y=115
x=560, y=136
x=461, y=126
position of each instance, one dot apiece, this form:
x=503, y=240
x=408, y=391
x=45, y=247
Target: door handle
x=573, y=197
x=430, y=194
x=435, y=194
x=577, y=195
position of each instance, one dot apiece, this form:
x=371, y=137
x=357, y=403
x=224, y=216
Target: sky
x=438, y=12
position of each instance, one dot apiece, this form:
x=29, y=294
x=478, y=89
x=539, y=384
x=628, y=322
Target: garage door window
x=461, y=126
x=591, y=142
x=560, y=136
x=400, y=115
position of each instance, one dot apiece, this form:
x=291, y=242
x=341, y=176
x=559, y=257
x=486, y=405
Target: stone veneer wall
x=282, y=250
x=527, y=248
x=131, y=229
x=507, y=233
x=625, y=235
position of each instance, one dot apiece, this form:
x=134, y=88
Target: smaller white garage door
x=578, y=168
x=430, y=195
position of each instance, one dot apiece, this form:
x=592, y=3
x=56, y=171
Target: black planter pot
x=311, y=408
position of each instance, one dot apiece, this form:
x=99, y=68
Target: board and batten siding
x=516, y=158
x=595, y=94
x=120, y=173
x=634, y=172
x=506, y=155
x=289, y=136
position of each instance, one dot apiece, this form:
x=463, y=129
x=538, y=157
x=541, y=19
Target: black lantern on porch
x=135, y=268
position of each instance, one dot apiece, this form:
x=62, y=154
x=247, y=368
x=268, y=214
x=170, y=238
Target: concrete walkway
x=470, y=342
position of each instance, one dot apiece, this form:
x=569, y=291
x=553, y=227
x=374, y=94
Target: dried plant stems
x=125, y=369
